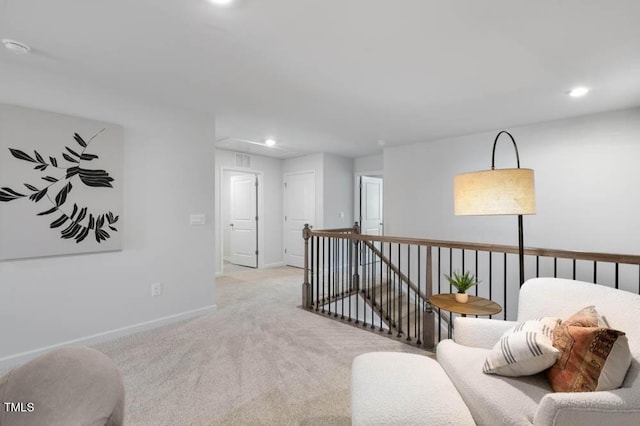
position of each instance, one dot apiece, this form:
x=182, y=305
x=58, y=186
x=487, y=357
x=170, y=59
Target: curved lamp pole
x=497, y=192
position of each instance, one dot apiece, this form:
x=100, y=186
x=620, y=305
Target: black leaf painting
x=20, y=155
x=76, y=222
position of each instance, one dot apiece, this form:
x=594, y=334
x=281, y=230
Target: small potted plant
x=462, y=282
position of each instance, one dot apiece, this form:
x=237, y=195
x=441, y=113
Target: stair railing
x=383, y=283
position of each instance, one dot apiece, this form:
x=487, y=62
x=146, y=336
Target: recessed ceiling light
x=270, y=142
x=15, y=46
x=576, y=92
x=221, y=2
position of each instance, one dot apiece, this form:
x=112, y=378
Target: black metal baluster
x=490, y=278
x=617, y=275
x=450, y=291
x=367, y=289
x=450, y=267
x=351, y=273
x=313, y=275
x=574, y=269
x=329, y=272
x=408, y=293
x=318, y=272
x=381, y=284
x=389, y=314
x=419, y=304
x=391, y=288
x=373, y=287
x=537, y=266
x=439, y=271
x=358, y=281
x=555, y=267
x=476, y=273
x=343, y=275
x=336, y=275
x=324, y=270
x=505, y=286
x=595, y=272
x=439, y=291
x=399, y=322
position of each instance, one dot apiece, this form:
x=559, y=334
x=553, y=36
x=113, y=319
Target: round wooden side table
x=475, y=306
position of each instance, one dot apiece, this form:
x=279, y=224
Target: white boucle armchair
x=496, y=400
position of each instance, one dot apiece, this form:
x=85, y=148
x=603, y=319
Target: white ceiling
x=340, y=75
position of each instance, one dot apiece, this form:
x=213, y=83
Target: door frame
x=356, y=193
x=260, y=232
x=284, y=206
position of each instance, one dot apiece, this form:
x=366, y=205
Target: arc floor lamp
x=497, y=192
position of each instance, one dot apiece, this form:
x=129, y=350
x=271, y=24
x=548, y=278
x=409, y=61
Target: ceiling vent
x=243, y=160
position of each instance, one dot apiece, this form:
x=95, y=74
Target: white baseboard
x=273, y=265
x=21, y=358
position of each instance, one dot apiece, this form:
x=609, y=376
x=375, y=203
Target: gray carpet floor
x=258, y=360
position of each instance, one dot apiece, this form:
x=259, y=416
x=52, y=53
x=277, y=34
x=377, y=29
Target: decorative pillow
x=592, y=358
x=524, y=350
x=586, y=317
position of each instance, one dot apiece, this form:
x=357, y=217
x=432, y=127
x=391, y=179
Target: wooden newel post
x=306, y=286
x=428, y=320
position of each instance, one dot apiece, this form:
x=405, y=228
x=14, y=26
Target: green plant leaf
x=462, y=282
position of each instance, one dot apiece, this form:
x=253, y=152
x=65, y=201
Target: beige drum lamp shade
x=495, y=192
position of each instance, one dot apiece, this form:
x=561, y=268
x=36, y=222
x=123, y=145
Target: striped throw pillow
x=524, y=350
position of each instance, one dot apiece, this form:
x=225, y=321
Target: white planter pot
x=462, y=297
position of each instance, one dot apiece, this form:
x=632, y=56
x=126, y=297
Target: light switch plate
x=197, y=219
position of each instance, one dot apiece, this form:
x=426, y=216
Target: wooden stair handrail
x=395, y=269
x=499, y=248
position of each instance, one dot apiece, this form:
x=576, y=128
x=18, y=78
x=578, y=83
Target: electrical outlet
x=156, y=289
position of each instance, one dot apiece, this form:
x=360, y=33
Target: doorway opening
x=369, y=203
x=240, y=195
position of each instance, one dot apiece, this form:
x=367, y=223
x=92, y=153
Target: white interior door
x=371, y=220
x=300, y=208
x=244, y=220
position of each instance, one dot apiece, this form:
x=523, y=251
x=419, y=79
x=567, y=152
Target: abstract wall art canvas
x=60, y=184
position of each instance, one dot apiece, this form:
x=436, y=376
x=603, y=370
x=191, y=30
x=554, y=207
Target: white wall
x=270, y=206
x=338, y=191
x=168, y=174
x=586, y=175
x=368, y=164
